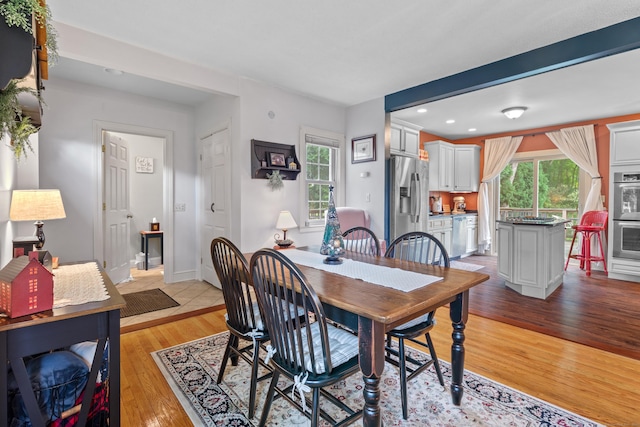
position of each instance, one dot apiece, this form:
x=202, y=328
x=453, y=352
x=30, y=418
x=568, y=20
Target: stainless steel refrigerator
x=408, y=195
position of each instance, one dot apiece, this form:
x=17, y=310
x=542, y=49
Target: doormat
x=146, y=302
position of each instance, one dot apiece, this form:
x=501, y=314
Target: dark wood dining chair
x=361, y=240
x=426, y=249
x=243, y=317
x=307, y=350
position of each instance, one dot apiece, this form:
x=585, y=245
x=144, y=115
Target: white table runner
x=78, y=284
x=395, y=278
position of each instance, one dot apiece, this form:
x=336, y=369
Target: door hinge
x=104, y=206
x=104, y=149
x=104, y=264
x=200, y=157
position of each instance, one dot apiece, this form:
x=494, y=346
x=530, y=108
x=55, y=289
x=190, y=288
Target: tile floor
x=192, y=294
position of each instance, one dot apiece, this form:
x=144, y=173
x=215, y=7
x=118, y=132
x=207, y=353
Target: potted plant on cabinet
x=21, y=21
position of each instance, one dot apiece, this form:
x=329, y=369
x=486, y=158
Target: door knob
x=129, y=216
x=212, y=210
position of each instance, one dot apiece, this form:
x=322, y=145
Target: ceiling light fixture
x=422, y=110
x=450, y=121
x=514, y=112
x=472, y=129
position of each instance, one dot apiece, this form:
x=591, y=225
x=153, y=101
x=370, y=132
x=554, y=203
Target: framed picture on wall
x=363, y=149
x=276, y=160
x=144, y=164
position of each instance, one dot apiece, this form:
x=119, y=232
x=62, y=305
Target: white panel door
x=116, y=207
x=215, y=198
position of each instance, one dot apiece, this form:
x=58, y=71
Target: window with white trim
x=320, y=155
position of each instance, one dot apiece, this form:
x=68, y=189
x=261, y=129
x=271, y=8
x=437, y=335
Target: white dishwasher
x=459, y=236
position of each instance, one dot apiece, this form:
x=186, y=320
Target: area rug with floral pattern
x=191, y=369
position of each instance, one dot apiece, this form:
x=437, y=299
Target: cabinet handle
x=212, y=210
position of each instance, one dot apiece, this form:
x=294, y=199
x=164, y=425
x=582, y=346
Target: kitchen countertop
x=547, y=222
x=447, y=215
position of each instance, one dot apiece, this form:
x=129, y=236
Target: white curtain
x=579, y=144
x=497, y=153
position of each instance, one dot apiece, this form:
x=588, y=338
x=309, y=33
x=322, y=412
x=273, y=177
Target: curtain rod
x=534, y=133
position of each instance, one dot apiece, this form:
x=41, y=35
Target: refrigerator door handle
x=417, y=197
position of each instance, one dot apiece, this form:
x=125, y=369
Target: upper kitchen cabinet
x=405, y=138
x=625, y=143
x=453, y=167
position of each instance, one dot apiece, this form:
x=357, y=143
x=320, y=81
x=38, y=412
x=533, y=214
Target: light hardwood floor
x=593, y=383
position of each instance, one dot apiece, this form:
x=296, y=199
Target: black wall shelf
x=261, y=151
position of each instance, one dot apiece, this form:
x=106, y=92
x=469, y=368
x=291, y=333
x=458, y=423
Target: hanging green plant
x=18, y=126
x=275, y=180
x=19, y=13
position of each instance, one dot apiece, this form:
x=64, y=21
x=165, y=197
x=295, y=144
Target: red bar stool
x=592, y=223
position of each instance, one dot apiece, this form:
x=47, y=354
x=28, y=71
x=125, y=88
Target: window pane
x=312, y=171
x=516, y=185
x=324, y=172
x=558, y=184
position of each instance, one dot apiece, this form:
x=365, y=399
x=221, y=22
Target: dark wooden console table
x=61, y=327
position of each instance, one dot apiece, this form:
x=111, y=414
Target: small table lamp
x=285, y=222
x=36, y=205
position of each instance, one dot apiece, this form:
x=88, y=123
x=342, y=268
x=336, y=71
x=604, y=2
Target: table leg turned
x=371, y=341
x=459, y=313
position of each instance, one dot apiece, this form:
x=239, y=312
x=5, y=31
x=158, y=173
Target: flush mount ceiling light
x=422, y=110
x=514, y=112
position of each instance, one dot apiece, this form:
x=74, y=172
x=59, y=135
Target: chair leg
x=254, y=380
x=225, y=359
x=403, y=378
x=269, y=400
x=434, y=357
x=570, y=249
x=587, y=252
x=604, y=258
x=315, y=408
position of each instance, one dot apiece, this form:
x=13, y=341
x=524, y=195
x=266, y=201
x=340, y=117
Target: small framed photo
x=363, y=149
x=276, y=160
x=144, y=164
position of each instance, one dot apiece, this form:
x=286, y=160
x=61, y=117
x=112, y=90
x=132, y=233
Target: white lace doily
x=78, y=284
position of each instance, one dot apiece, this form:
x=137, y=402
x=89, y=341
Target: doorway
x=143, y=188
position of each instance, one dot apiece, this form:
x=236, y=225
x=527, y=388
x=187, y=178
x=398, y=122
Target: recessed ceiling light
x=472, y=129
x=113, y=71
x=450, y=121
x=422, y=110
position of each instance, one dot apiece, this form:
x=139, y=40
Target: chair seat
x=418, y=320
x=259, y=323
x=580, y=228
x=343, y=345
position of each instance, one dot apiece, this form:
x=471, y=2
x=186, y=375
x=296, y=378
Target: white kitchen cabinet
x=405, y=139
x=453, y=167
x=472, y=234
x=531, y=257
x=625, y=143
x=466, y=165
x=441, y=228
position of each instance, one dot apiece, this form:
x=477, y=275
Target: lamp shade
x=36, y=205
x=514, y=112
x=285, y=221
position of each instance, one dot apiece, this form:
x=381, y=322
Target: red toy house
x=26, y=286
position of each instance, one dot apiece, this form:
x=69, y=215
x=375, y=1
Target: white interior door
x=116, y=207
x=215, y=197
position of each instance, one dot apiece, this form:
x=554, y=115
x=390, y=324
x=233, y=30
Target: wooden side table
x=145, y=236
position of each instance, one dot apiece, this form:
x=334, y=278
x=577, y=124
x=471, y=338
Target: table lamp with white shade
x=38, y=206
x=284, y=223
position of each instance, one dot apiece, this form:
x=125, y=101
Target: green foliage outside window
x=319, y=175
x=557, y=185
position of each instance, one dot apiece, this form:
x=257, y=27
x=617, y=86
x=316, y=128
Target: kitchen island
x=531, y=254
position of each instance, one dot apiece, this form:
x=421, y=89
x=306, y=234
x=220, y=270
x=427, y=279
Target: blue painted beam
x=611, y=40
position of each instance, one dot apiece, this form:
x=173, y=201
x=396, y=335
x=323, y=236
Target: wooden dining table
x=373, y=310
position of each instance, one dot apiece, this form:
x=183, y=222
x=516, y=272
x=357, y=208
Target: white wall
x=146, y=190
x=69, y=161
x=367, y=119
x=260, y=205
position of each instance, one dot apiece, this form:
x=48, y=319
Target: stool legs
x=585, y=253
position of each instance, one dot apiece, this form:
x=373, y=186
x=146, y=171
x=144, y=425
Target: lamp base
x=39, y=234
